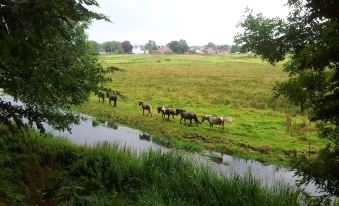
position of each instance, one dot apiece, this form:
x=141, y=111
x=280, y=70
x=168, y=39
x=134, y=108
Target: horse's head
x=179, y=111
x=141, y=102
x=205, y=117
x=159, y=109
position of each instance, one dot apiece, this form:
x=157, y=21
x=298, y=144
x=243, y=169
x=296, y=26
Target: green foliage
x=112, y=47
x=310, y=38
x=151, y=46
x=235, y=48
x=52, y=170
x=94, y=46
x=178, y=47
x=45, y=61
x=320, y=170
x=127, y=47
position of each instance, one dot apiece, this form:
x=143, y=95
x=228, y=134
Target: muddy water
x=138, y=141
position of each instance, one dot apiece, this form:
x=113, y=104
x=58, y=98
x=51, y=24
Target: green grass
x=42, y=170
x=239, y=86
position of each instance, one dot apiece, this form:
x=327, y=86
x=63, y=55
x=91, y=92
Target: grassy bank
x=239, y=86
x=42, y=170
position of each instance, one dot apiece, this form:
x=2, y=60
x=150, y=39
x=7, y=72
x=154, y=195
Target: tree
x=112, y=47
x=211, y=45
x=224, y=47
x=45, y=60
x=179, y=47
x=235, y=48
x=151, y=46
x=94, y=46
x=309, y=37
x=127, y=47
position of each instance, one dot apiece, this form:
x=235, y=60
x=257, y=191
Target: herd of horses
x=184, y=115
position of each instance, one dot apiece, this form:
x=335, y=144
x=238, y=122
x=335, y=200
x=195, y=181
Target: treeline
x=175, y=46
x=111, y=47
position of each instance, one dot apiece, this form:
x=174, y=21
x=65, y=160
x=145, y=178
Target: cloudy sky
x=196, y=21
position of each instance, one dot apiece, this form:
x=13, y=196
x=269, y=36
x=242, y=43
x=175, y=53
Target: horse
x=159, y=109
x=189, y=115
x=145, y=106
x=167, y=111
x=178, y=111
x=216, y=120
x=112, y=97
x=101, y=95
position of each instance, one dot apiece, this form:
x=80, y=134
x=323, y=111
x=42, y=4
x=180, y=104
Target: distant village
x=150, y=47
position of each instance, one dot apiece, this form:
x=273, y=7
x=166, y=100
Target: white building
x=137, y=50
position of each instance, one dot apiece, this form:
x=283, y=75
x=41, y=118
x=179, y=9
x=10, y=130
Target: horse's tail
x=150, y=109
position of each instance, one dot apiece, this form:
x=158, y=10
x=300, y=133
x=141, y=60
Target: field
x=238, y=86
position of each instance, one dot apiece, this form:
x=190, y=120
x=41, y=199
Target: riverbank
x=41, y=169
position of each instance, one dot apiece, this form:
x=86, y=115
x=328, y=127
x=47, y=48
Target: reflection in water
x=86, y=133
x=112, y=126
x=145, y=136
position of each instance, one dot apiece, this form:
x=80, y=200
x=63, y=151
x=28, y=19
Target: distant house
x=137, y=50
x=163, y=50
x=208, y=50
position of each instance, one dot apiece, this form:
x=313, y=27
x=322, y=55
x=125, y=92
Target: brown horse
x=167, y=111
x=190, y=116
x=111, y=97
x=145, y=106
x=178, y=111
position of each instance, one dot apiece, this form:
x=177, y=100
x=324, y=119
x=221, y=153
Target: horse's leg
x=173, y=116
x=190, y=122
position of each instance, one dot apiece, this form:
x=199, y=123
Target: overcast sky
x=196, y=21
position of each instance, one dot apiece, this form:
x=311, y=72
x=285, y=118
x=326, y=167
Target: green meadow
x=235, y=85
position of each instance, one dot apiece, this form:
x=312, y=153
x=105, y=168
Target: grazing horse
x=216, y=120
x=167, y=111
x=112, y=97
x=145, y=106
x=190, y=116
x=101, y=95
x=178, y=111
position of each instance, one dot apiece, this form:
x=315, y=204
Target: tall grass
x=42, y=170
